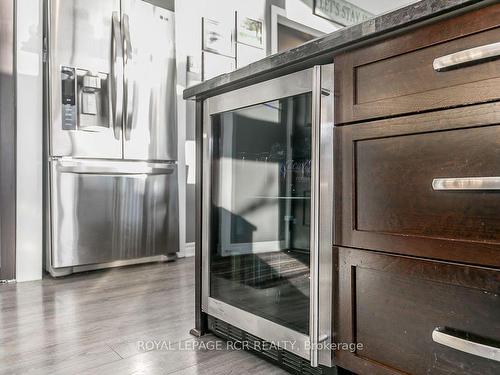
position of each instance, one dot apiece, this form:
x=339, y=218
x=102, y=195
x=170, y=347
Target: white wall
x=29, y=237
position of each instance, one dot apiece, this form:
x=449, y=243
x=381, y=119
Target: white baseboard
x=189, y=249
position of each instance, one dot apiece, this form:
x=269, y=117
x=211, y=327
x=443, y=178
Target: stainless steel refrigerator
x=111, y=134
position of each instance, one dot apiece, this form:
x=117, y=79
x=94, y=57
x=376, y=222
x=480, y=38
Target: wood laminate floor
x=94, y=323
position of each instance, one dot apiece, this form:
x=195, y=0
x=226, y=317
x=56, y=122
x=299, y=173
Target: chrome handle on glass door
x=321, y=216
x=117, y=75
x=128, y=99
x=314, y=294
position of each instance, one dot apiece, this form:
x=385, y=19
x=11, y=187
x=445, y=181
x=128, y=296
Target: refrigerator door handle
x=105, y=168
x=117, y=75
x=128, y=99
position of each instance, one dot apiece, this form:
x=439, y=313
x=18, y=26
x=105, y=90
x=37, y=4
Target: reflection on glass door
x=261, y=210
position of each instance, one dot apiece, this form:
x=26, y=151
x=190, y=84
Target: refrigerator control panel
x=68, y=97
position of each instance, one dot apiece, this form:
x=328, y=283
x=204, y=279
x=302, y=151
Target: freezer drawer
x=107, y=211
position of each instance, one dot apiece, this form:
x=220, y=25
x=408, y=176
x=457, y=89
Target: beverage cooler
x=267, y=211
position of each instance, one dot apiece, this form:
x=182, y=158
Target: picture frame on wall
x=249, y=31
x=215, y=64
x=218, y=37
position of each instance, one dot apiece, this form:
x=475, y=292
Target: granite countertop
x=297, y=58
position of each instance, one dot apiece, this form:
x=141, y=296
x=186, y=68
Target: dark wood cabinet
x=397, y=76
x=417, y=228
x=385, y=195
x=392, y=305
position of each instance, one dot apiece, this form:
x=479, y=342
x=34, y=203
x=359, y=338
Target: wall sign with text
x=340, y=11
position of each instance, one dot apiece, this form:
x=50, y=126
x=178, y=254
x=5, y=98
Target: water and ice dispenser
x=85, y=100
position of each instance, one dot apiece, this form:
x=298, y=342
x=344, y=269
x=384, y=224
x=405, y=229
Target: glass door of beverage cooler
x=267, y=210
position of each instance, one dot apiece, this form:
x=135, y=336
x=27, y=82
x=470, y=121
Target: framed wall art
x=218, y=37
x=249, y=31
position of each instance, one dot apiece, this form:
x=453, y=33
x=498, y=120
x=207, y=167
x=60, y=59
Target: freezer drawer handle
x=470, y=56
x=467, y=183
x=460, y=341
x=128, y=98
x=121, y=169
x=117, y=75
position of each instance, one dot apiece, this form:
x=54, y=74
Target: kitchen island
x=348, y=193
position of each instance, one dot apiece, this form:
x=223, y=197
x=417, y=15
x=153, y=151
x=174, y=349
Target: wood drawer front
x=397, y=75
x=392, y=305
x=386, y=200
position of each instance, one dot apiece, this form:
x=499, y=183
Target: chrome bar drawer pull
x=460, y=342
x=474, y=55
x=467, y=183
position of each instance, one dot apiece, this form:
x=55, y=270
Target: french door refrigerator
x=267, y=209
x=111, y=136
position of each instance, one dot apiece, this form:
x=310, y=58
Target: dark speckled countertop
x=323, y=49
